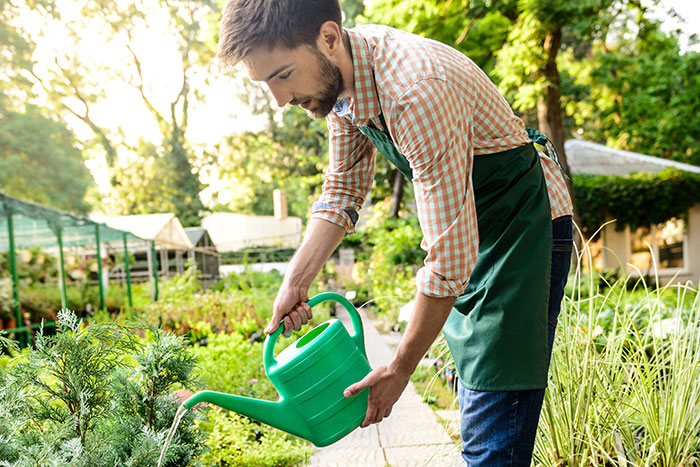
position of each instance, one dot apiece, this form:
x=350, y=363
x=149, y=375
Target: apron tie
x=540, y=138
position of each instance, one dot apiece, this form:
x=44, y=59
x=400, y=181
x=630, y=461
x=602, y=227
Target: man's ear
x=330, y=38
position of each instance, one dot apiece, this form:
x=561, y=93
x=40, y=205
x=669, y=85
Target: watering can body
x=310, y=376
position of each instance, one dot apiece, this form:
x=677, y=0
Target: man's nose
x=281, y=95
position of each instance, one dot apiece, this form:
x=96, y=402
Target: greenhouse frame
x=25, y=225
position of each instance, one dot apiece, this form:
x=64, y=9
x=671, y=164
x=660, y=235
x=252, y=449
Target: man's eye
x=285, y=76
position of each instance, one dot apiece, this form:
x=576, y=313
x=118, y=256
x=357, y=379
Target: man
x=495, y=213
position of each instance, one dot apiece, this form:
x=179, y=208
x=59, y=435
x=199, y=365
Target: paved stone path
x=411, y=436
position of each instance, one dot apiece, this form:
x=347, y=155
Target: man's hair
x=248, y=24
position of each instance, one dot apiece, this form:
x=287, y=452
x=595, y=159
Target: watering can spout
x=276, y=414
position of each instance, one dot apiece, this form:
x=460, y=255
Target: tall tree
x=41, y=161
x=75, y=87
x=634, y=101
x=40, y=158
x=290, y=155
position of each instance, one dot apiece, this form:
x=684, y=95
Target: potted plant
x=7, y=305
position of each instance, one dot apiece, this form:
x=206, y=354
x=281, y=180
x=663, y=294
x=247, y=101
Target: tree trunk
x=549, y=114
x=399, y=182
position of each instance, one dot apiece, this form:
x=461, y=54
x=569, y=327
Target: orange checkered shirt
x=441, y=110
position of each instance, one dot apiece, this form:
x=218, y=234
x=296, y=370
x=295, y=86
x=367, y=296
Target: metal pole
x=64, y=295
x=127, y=269
x=99, y=267
x=154, y=257
x=23, y=337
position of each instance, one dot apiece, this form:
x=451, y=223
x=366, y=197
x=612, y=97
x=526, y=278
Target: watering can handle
x=358, y=336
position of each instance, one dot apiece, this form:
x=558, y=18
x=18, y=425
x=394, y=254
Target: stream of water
x=181, y=411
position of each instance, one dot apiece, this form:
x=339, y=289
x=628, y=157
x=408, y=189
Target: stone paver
x=411, y=436
x=451, y=418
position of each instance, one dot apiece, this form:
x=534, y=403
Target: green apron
x=497, y=330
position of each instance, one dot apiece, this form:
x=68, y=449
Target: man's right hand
x=291, y=306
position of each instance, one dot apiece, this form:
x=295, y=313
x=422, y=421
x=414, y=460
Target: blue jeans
x=499, y=427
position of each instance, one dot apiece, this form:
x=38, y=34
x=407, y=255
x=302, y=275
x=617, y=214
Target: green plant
x=33, y=266
x=95, y=395
x=230, y=363
x=199, y=315
x=625, y=391
x=181, y=287
x=240, y=441
x=635, y=200
x=7, y=302
x=395, y=258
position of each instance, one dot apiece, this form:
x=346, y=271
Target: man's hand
x=291, y=305
x=385, y=384
x=322, y=237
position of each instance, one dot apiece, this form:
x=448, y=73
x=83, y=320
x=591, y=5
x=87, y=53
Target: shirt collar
x=365, y=105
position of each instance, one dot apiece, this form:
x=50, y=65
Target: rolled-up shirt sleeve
x=349, y=176
x=440, y=151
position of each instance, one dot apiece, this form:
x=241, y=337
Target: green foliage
x=239, y=303
x=40, y=161
x=40, y=301
x=291, y=155
x=522, y=62
x=388, y=263
x=231, y=363
x=624, y=378
x=237, y=440
x=635, y=200
x=183, y=182
x=7, y=301
x=204, y=314
x=161, y=179
x=629, y=81
x=93, y=395
x=478, y=29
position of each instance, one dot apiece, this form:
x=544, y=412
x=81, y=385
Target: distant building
x=172, y=244
x=675, y=243
x=233, y=232
x=204, y=252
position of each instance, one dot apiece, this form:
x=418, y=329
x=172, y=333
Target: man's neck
x=348, y=68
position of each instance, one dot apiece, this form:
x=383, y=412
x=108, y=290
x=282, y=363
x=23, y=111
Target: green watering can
x=310, y=376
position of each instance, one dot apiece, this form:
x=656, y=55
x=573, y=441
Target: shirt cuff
x=435, y=285
x=345, y=218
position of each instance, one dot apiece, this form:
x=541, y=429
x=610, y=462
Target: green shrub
x=203, y=314
x=96, y=396
x=229, y=363
x=237, y=440
x=390, y=268
x=635, y=200
x=624, y=381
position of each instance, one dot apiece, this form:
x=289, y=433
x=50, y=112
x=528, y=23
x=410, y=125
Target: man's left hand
x=385, y=387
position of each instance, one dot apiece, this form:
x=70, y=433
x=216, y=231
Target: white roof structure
x=585, y=157
x=165, y=229
x=232, y=232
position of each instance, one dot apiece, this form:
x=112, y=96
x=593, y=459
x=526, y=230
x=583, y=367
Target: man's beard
x=333, y=85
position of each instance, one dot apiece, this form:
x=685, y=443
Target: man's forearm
x=321, y=239
x=429, y=315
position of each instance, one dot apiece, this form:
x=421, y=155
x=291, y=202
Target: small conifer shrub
x=97, y=395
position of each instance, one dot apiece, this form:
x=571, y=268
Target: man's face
x=301, y=76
